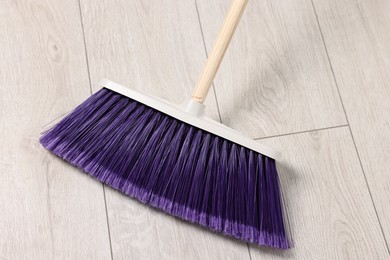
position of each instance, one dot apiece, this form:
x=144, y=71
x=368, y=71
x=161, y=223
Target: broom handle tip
x=218, y=51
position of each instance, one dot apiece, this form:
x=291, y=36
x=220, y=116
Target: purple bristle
x=168, y=164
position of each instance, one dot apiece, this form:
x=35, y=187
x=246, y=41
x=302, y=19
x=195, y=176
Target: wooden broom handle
x=220, y=46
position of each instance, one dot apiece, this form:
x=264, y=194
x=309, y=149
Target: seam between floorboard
x=301, y=132
x=85, y=47
x=206, y=52
x=349, y=127
x=108, y=222
x=91, y=92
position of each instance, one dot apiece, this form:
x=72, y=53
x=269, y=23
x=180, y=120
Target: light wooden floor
x=308, y=77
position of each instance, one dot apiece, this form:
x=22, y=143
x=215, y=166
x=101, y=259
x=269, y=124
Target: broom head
x=175, y=159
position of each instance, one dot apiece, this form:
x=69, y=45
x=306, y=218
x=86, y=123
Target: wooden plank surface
x=329, y=207
x=357, y=36
x=275, y=78
x=155, y=47
x=48, y=209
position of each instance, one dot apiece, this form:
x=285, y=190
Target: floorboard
x=357, y=36
x=328, y=205
x=49, y=210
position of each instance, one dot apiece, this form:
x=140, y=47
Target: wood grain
x=275, y=78
x=48, y=210
x=156, y=47
x=357, y=36
x=329, y=207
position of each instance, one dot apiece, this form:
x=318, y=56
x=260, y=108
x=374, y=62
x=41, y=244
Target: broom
x=174, y=158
